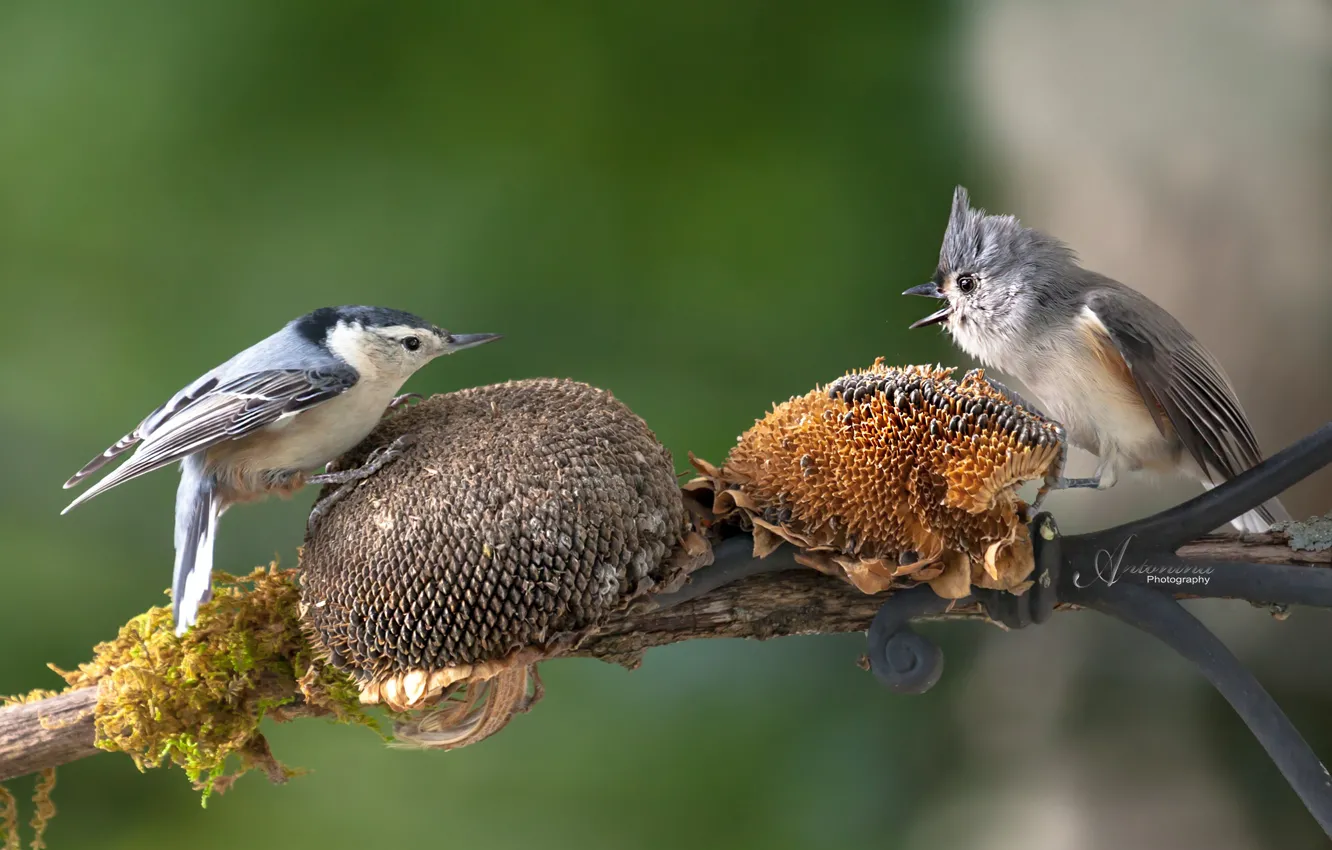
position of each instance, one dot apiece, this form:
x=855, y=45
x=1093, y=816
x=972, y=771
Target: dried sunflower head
x=893, y=475
x=520, y=517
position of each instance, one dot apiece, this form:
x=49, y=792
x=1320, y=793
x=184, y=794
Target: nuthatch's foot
x=378, y=459
x=349, y=479
x=403, y=401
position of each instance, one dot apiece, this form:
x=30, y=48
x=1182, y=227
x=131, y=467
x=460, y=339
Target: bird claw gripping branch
x=403, y=401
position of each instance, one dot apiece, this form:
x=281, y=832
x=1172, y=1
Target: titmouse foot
x=403, y=401
x=1054, y=480
x=351, y=478
x=1104, y=479
x=1054, y=476
x=1079, y=484
x=1012, y=395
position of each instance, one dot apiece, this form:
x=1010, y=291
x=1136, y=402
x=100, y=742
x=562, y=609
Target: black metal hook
x=1165, y=619
x=899, y=656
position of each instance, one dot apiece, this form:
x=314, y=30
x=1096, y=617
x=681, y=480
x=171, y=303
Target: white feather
x=199, y=583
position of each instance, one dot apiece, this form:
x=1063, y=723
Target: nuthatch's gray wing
x=1184, y=389
x=211, y=412
x=194, y=391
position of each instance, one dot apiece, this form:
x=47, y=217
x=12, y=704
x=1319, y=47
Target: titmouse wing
x=216, y=412
x=1177, y=377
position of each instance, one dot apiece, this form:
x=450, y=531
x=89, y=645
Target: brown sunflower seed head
x=521, y=516
x=890, y=462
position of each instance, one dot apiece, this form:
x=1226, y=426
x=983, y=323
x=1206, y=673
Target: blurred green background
x=703, y=207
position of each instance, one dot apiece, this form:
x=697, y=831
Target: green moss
x=197, y=701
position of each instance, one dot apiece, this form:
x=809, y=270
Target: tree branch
x=46, y=733
x=59, y=729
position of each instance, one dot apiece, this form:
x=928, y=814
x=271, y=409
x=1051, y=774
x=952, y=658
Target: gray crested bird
x=262, y=421
x=1122, y=376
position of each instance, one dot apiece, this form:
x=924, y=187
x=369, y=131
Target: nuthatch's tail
x=198, y=506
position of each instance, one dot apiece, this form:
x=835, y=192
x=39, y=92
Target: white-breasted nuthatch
x=1124, y=378
x=262, y=421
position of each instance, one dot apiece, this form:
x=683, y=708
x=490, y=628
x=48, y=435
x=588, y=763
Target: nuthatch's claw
x=377, y=460
x=349, y=479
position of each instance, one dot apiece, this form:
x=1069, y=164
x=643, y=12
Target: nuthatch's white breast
x=1123, y=376
x=262, y=421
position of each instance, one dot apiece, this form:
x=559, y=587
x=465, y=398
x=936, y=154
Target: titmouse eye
x=966, y=283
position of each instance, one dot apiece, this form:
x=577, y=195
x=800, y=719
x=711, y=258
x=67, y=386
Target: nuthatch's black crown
x=315, y=325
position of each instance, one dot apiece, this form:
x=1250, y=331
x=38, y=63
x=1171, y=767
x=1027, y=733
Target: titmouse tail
x=1260, y=518
x=198, y=506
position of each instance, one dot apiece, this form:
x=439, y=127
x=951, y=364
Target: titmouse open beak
x=930, y=290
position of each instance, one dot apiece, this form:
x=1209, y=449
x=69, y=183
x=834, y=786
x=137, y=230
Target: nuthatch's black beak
x=457, y=342
x=930, y=290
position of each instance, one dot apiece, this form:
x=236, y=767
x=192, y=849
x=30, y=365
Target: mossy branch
x=195, y=701
x=281, y=680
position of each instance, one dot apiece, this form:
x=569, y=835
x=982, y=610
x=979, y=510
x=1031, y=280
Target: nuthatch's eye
x=411, y=343
x=966, y=283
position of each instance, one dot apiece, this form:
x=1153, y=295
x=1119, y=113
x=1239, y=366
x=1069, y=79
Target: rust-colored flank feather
x=890, y=476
